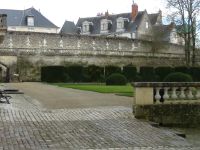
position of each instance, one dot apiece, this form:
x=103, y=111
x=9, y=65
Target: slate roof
x=68, y=27
x=96, y=22
x=153, y=18
x=18, y=18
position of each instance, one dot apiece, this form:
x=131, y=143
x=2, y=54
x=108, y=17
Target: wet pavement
x=26, y=124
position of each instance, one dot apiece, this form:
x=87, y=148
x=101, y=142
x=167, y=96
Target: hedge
x=130, y=72
x=182, y=69
x=162, y=72
x=111, y=69
x=53, y=74
x=148, y=74
x=93, y=74
x=195, y=73
x=75, y=73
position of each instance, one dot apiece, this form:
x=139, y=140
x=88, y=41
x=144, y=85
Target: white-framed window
x=147, y=25
x=86, y=27
x=105, y=25
x=30, y=21
x=121, y=24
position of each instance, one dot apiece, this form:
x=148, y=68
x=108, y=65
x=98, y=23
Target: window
x=30, y=21
x=147, y=25
x=86, y=27
x=122, y=24
x=106, y=25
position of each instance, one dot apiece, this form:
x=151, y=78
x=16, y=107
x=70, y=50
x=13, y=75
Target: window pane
x=147, y=25
x=119, y=25
x=30, y=21
x=104, y=26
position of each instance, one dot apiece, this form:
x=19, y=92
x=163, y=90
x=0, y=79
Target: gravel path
x=54, y=97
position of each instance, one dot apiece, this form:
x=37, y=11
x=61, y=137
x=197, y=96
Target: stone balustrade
x=166, y=93
x=168, y=104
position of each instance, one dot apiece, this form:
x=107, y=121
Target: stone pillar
x=144, y=95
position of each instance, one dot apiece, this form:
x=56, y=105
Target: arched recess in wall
x=4, y=72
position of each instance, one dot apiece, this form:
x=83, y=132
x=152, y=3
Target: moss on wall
x=28, y=71
x=182, y=115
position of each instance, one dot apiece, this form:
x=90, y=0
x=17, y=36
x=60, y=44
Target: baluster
x=198, y=93
x=182, y=95
x=157, y=96
x=174, y=94
x=166, y=95
x=190, y=95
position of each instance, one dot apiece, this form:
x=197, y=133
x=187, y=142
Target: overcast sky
x=60, y=10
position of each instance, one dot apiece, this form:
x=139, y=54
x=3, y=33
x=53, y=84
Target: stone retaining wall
x=179, y=115
x=54, y=49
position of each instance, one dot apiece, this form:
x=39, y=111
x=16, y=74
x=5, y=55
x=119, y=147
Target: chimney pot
x=134, y=11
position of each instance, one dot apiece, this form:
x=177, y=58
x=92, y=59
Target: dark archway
x=7, y=77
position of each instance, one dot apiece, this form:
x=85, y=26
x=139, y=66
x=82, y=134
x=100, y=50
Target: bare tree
x=184, y=14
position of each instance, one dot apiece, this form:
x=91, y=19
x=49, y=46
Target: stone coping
x=166, y=84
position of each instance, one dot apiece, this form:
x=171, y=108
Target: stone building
x=135, y=25
x=28, y=20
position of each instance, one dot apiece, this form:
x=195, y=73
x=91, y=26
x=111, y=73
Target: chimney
x=106, y=14
x=134, y=11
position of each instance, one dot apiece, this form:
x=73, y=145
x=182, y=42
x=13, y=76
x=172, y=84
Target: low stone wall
x=180, y=115
x=169, y=104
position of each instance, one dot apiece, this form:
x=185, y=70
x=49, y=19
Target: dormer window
x=87, y=27
x=121, y=24
x=105, y=25
x=30, y=20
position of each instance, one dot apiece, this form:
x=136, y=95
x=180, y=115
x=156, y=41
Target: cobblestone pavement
x=24, y=125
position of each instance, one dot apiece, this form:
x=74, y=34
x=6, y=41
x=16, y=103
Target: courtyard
x=33, y=122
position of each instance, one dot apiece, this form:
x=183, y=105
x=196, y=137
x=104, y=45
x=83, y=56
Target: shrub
x=130, y=72
x=75, y=73
x=162, y=72
x=116, y=79
x=137, y=78
x=53, y=74
x=178, y=77
x=148, y=74
x=111, y=69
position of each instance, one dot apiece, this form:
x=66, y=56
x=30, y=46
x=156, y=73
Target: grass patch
x=130, y=94
x=126, y=90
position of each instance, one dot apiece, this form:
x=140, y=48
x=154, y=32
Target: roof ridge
x=44, y=17
x=12, y=9
x=19, y=9
x=111, y=15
